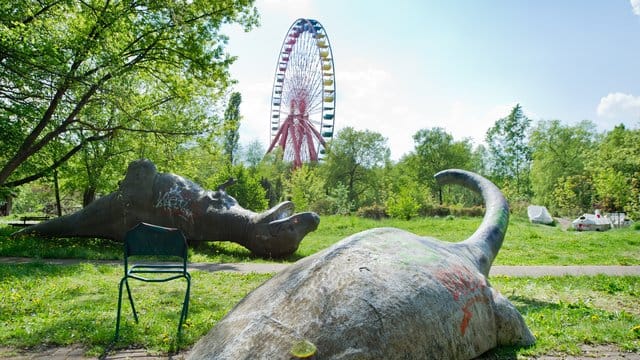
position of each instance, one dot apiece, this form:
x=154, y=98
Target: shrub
x=376, y=212
x=468, y=211
x=435, y=210
x=403, y=206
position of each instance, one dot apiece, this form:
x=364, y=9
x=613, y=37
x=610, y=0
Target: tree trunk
x=57, y=191
x=88, y=196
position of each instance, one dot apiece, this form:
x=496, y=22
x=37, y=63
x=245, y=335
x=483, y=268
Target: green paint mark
x=400, y=248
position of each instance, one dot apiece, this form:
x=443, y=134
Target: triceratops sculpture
x=145, y=195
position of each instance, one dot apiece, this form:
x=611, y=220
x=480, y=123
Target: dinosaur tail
x=483, y=245
x=91, y=221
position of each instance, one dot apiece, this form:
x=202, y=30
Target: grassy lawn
x=63, y=305
x=525, y=243
x=54, y=305
x=51, y=305
x=566, y=312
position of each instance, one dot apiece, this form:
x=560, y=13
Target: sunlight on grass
x=565, y=312
x=62, y=305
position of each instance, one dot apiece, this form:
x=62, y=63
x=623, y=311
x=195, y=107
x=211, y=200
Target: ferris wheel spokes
x=303, y=94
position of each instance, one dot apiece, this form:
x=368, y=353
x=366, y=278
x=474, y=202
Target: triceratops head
x=277, y=232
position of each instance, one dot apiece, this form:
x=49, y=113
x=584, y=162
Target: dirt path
x=532, y=271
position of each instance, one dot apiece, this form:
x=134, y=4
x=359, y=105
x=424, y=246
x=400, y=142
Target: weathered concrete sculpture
x=170, y=200
x=381, y=294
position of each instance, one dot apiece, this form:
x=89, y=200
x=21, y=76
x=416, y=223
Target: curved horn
x=486, y=241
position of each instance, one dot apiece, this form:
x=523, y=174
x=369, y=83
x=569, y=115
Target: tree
x=76, y=72
x=559, y=154
x=273, y=173
x=231, y=125
x=247, y=189
x=615, y=168
x=436, y=150
x=351, y=160
x=253, y=153
x=510, y=154
x=573, y=195
x=305, y=187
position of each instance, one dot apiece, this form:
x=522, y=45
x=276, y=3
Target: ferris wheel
x=303, y=94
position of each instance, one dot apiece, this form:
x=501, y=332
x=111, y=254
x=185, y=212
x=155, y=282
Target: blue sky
x=402, y=66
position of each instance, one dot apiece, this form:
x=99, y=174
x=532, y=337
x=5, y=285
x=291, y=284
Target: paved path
x=533, y=271
x=77, y=353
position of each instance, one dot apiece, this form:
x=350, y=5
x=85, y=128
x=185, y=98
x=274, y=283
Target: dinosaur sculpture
x=381, y=294
x=173, y=201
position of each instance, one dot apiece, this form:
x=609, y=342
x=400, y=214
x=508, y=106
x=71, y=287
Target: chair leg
x=185, y=308
x=119, y=309
x=133, y=307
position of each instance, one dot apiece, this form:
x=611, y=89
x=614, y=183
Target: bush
x=324, y=206
x=443, y=211
x=375, y=212
x=403, y=206
x=468, y=211
x=435, y=210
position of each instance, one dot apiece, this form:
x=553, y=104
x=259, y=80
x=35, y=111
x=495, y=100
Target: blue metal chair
x=162, y=244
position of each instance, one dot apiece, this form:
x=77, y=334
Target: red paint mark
x=466, y=287
x=467, y=313
x=465, y=319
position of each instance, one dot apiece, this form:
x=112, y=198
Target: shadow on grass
x=526, y=305
x=36, y=270
x=37, y=247
x=499, y=354
x=232, y=252
x=57, y=248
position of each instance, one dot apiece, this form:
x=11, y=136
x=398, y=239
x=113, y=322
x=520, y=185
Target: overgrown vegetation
x=88, y=87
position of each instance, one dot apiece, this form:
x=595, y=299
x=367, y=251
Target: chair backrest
x=153, y=240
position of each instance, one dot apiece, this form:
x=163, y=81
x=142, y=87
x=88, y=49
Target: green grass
x=534, y=244
x=525, y=243
x=49, y=305
x=566, y=312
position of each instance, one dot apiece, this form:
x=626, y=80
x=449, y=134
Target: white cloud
x=369, y=98
x=635, y=5
x=619, y=107
x=471, y=121
x=255, y=109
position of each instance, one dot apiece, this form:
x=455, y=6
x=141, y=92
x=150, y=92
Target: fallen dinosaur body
x=173, y=201
x=381, y=294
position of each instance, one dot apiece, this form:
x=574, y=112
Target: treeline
x=87, y=87
x=571, y=169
